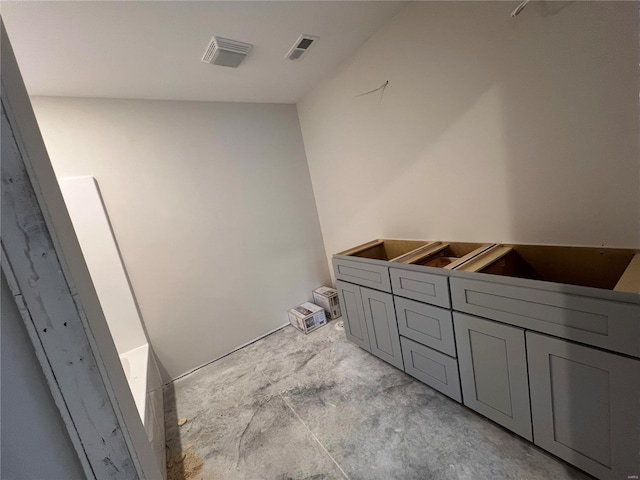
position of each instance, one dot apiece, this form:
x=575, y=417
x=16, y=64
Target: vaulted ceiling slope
x=152, y=49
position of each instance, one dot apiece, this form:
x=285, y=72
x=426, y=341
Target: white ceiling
x=153, y=49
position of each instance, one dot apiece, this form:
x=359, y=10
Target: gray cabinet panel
x=424, y=287
x=355, y=325
x=603, y=323
x=585, y=406
x=493, y=371
x=433, y=368
x=429, y=325
x=362, y=273
x=382, y=327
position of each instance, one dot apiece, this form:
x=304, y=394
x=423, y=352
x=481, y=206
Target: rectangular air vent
x=225, y=52
x=301, y=47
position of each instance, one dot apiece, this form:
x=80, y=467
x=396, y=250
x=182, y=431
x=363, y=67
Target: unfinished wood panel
x=585, y=406
x=486, y=258
x=355, y=324
x=421, y=286
x=630, y=280
x=583, y=266
x=604, y=323
x=417, y=255
x=362, y=273
x=446, y=255
x=429, y=325
x=385, y=249
x=493, y=371
x=436, y=369
x=361, y=248
x=382, y=327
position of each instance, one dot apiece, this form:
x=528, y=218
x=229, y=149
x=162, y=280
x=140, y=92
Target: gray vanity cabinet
x=370, y=321
x=555, y=358
x=355, y=325
x=585, y=406
x=493, y=371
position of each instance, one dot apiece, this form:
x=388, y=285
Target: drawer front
x=361, y=273
x=493, y=371
x=584, y=404
x=429, y=325
x=424, y=287
x=436, y=369
x=603, y=323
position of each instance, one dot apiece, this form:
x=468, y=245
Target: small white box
x=307, y=317
x=327, y=298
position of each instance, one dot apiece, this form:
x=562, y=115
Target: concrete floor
x=317, y=407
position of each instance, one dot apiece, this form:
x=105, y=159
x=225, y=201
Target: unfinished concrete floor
x=317, y=407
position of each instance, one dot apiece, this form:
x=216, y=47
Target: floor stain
x=189, y=468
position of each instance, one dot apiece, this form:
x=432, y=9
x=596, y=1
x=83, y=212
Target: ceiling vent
x=225, y=52
x=301, y=47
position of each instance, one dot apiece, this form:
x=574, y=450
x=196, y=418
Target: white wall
x=34, y=440
x=211, y=206
x=491, y=128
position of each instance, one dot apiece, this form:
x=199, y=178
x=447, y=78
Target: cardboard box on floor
x=327, y=298
x=307, y=317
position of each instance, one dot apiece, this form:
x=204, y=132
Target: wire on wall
x=380, y=88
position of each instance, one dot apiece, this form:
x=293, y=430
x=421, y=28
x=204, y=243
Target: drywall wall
x=212, y=209
x=25, y=131
x=491, y=128
x=33, y=438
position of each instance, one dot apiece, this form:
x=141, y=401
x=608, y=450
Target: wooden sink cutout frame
x=386, y=249
x=445, y=255
x=607, y=268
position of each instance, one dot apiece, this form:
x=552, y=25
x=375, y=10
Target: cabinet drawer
x=362, y=273
x=424, y=287
x=584, y=405
x=436, y=369
x=429, y=325
x=603, y=323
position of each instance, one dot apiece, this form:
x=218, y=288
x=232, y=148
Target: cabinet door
x=585, y=405
x=382, y=326
x=493, y=371
x=355, y=325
